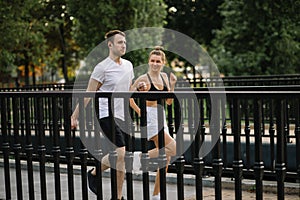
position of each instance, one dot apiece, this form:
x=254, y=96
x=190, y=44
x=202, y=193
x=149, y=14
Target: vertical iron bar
x=247, y=133
x=297, y=135
x=198, y=160
x=287, y=127
x=83, y=151
x=179, y=150
x=56, y=148
x=113, y=154
x=215, y=132
x=272, y=135
x=170, y=120
x=5, y=146
x=145, y=155
x=69, y=145
x=162, y=159
x=129, y=149
x=17, y=146
x=98, y=151
x=258, y=164
x=41, y=144
x=237, y=162
x=29, y=148
x=280, y=166
x=263, y=108
x=224, y=132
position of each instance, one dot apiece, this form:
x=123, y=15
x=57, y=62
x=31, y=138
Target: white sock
x=156, y=197
x=137, y=161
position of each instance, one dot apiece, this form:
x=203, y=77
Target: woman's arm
x=173, y=80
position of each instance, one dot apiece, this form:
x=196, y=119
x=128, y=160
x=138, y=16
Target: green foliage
x=30, y=36
x=243, y=36
x=92, y=19
x=196, y=18
x=258, y=37
x=21, y=34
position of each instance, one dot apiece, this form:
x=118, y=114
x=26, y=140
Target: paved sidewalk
x=208, y=190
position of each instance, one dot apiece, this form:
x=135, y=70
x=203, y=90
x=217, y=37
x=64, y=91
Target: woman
x=155, y=80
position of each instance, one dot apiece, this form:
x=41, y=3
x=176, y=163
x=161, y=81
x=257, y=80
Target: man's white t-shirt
x=114, y=77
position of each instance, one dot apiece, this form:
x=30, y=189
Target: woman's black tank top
x=153, y=88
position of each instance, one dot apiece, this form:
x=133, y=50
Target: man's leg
x=120, y=170
x=104, y=165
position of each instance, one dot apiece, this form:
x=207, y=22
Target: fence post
x=198, y=160
x=297, y=134
x=272, y=135
x=247, y=132
x=224, y=132
x=237, y=161
x=162, y=159
x=5, y=146
x=129, y=149
x=69, y=145
x=145, y=155
x=83, y=151
x=179, y=149
x=113, y=156
x=29, y=148
x=41, y=144
x=56, y=148
x=215, y=132
x=17, y=145
x=98, y=151
x=280, y=167
x=258, y=164
x=170, y=119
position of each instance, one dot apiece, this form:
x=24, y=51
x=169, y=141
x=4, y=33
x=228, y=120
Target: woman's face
x=155, y=62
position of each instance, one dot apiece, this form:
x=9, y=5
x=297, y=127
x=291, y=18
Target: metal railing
x=233, y=132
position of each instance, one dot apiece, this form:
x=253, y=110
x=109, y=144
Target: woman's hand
x=173, y=80
x=142, y=86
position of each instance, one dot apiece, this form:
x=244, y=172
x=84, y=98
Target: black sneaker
x=92, y=182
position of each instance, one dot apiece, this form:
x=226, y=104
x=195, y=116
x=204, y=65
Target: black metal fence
x=253, y=80
x=241, y=133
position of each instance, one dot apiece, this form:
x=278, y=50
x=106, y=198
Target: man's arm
x=92, y=86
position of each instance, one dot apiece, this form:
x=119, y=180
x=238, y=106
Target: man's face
x=118, y=46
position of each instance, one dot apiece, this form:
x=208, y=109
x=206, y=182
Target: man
x=112, y=74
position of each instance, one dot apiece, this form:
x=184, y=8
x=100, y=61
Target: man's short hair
x=110, y=34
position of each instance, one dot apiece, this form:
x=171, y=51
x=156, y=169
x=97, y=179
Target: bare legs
x=120, y=168
x=170, y=150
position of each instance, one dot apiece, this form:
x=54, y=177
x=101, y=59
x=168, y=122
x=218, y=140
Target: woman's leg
x=170, y=146
x=170, y=150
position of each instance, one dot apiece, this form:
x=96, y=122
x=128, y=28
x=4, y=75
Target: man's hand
x=74, y=123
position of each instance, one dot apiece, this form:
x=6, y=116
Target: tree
x=92, y=19
x=60, y=39
x=35, y=35
x=22, y=40
x=258, y=37
x=196, y=19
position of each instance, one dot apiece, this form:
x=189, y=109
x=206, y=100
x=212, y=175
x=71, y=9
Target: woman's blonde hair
x=159, y=51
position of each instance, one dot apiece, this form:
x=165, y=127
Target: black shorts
x=105, y=125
